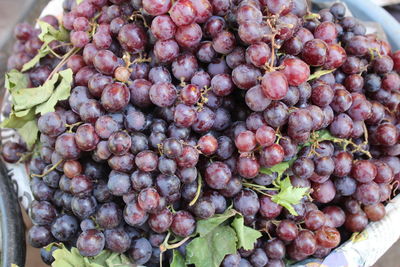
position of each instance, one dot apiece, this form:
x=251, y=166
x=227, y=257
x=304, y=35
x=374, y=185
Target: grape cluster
x=177, y=109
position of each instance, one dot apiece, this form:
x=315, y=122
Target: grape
x=204, y=209
x=323, y=192
x=42, y=213
x=303, y=167
x=51, y=124
x=364, y=171
x=296, y=71
x=140, y=251
x=119, y=143
x=162, y=94
x=272, y=155
x=246, y=202
x=356, y=222
x=81, y=186
x=64, y=227
x=274, y=85
x=39, y=236
x=148, y=199
x=305, y=242
x=161, y=221
x=117, y=240
x=327, y=237
x=118, y=183
x=83, y=207
x=66, y=146
x=224, y=42
x=258, y=258
x=168, y=186
x=217, y=175
x=134, y=214
x=268, y=208
x=247, y=167
x=375, y=212
x=90, y=242
x=287, y=230
x=276, y=114
x=146, y=160
x=188, y=35
x=115, y=97
x=183, y=224
x=368, y=193
x=315, y=52
x=108, y=215
x=132, y=37
x=207, y=144
x=245, y=76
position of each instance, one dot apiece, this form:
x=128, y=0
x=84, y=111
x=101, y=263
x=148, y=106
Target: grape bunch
x=181, y=109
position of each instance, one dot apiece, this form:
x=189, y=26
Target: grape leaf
x=210, y=250
x=325, y=135
x=62, y=92
x=29, y=97
x=72, y=258
x=279, y=168
x=246, y=236
x=119, y=260
x=177, y=259
x=15, y=80
x=49, y=33
x=204, y=227
x=16, y=122
x=43, y=51
x=29, y=133
x=289, y=195
x=65, y=258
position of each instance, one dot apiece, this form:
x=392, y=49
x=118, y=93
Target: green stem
x=71, y=126
x=70, y=53
x=49, y=170
x=199, y=184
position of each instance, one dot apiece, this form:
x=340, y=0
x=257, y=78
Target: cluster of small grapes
x=217, y=89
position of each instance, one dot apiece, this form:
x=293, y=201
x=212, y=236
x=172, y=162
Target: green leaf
x=102, y=257
x=79, y=1
x=29, y=97
x=65, y=258
x=177, y=259
x=204, y=227
x=118, y=260
x=247, y=236
x=29, y=133
x=279, y=168
x=319, y=73
x=72, y=258
x=49, y=33
x=16, y=122
x=289, y=195
x=62, y=92
x=43, y=51
x=15, y=80
x=210, y=250
x=325, y=135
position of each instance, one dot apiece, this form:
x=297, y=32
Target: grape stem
x=49, y=170
x=70, y=53
x=71, y=126
x=198, y=191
